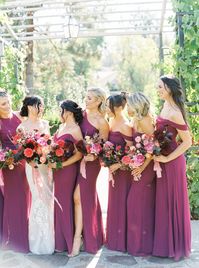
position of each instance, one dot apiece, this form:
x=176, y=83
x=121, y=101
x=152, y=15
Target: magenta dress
x=64, y=185
x=116, y=226
x=16, y=195
x=141, y=213
x=1, y=215
x=93, y=236
x=172, y=215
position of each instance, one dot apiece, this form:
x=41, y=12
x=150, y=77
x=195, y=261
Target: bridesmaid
x=120, y=134
x=16, y=189
x=141, y=198
x=65, y=178
x=88, y=217
x=172, y=222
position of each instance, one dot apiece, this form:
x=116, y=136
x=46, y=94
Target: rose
x=11, y=167
x=59, y=152
x=28, y=152
x=126, y=160
x=42, y=159
x=118, y=147
x=61, y=143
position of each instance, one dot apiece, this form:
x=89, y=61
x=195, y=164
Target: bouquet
x=90, y=145
x=162, y=139
x=136, y=155
x=60, y=152
x=111, y=154
x=8, y=158
x=33, y=147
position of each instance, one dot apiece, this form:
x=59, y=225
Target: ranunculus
x=149, y=148
x=61, y=143
x=11, y=167
x=28, y=152
x=138, y=145
x=138, y=139
x=59, y=152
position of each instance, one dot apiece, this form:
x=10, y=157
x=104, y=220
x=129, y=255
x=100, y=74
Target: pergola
x=62, y=19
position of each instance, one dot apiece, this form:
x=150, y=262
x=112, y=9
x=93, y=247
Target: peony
x=61, y=143
x=59, y=152
x=28, y=152
x=138, y=160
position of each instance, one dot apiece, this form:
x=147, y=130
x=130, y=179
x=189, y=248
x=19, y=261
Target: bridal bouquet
x=60, y=151
x=33, y=147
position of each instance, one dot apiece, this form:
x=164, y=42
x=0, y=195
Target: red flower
x=61, y=143
x=118, y=147
x=59, y=152
x=88, y=149
x=28, y=152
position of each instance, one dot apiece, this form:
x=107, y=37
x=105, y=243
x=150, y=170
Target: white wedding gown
x=41, y=218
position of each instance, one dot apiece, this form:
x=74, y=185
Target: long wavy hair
x=173, y=84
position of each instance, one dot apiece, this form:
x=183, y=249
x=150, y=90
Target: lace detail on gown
x=41, y=220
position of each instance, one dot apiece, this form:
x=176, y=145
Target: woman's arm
x=183, y=147
x=103, y=129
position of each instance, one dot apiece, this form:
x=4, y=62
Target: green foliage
x=11, y=74
x=187, y=66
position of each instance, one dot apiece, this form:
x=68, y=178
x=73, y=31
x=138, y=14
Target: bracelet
x=59, y=165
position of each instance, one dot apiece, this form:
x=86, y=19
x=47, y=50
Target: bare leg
x=77, y=241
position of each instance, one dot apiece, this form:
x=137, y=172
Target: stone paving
x=103, y=259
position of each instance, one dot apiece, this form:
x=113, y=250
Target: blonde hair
x=139, y=103
x=100, y=94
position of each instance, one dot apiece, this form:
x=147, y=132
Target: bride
x=41, y=218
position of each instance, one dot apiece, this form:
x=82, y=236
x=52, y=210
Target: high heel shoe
x=77, y=245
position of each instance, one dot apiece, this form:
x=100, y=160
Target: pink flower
x=144, y=136
x=2, y=156
x=28, y=152
x=149, y=148
x=108, y=144
x=126, y=160
x=138, y=139
x=138, y=160
x=42, y=142
x=42, y=159
x=96, y=148
x=138, y=145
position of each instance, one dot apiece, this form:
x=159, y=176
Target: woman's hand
x=161, y=159
x=114, y=167
x=90, y=157
x=52, y=165
x=136, y=172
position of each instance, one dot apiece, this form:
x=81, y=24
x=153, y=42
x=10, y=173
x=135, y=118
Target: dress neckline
x=64, y=135
x=173, y=123
x=89, y=121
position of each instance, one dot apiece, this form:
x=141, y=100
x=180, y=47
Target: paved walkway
x=104, y=258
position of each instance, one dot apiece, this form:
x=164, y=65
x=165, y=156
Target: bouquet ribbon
x=157, y=168
x=1, y=181
x=110, y=178
x=83, y=168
